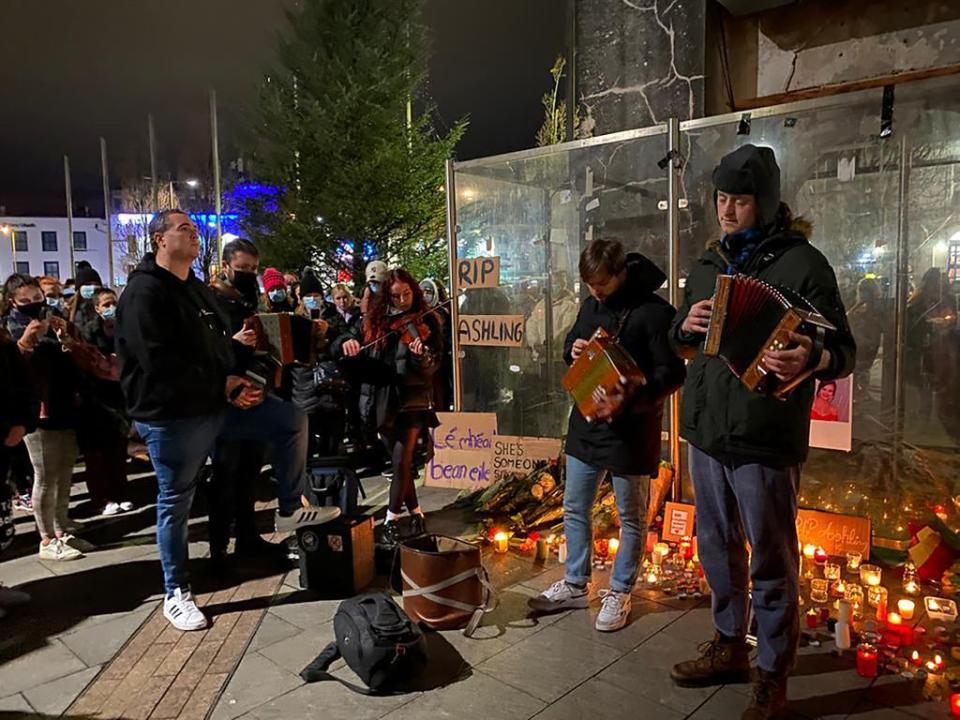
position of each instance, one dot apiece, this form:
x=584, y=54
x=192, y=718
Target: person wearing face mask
x=293, y=288
x=105, y=429
x=275, y=287
x=83, y=312
x=237, y=463
x=53, y=292
x=40, y=337
x=376, y=273
x=435, y=296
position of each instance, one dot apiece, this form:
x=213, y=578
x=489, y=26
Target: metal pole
x=548, y=292
x=216, y=170
x=451, y=188
x=902, y=287
x=152, y=139
x=69, y=191
x=571, y=66
x=106, y=208
x=673, y=263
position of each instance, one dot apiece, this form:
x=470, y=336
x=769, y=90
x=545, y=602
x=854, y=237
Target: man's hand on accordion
x=242, y=393
x=698, y=319
x=787, y=364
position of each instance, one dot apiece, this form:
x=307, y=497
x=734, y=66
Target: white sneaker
x=305, y=517
x=127, y=506
x=11, y=598
x=183, y=613
x=111, y=508
x=560, y=596
x=77, y=543
x=58, y=551
x=614, y=612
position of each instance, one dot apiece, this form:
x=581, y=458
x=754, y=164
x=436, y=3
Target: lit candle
x=906, y=608
x=881, y=603
x=820, y=556
x=866, y=661
x=661, y=550
x=911, y=588
x=809, y=550
x=894, y=621
x=613, y=546
x=915, y=658
x=501, y=542
x=839, y=588
x=955, y=704
x=686, y=548
x=831, y=571
x=870, y=575
x=652, y=540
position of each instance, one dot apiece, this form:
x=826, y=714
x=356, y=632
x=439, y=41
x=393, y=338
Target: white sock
x=391, y=516
x=417, y=511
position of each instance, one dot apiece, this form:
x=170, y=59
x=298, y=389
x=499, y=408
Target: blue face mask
x=88, y=291
x=109, y=313
x=69, y=292
x=55, y=302
x=374, y=286
x=277, y=295
x=311, y=303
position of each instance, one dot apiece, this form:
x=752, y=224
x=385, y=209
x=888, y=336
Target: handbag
x=445, y=585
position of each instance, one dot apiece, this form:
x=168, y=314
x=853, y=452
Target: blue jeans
x=179, y=448
x=737, y=504
x=579, y=494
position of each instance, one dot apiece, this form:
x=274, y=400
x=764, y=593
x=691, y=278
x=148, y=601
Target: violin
x=410, y=327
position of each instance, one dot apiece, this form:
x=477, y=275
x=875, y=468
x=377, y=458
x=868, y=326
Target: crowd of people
x=176, y=364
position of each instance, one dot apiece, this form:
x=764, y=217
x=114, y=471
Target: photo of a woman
x=823, y=404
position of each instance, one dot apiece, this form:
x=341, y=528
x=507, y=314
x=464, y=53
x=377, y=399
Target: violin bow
x=418, y=317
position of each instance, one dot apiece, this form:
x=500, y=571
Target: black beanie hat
x=309, y=283
x=88, y=276
x=752, y=170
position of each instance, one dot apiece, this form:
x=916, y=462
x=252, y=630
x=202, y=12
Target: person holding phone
x=179, y=375
x=38, y=333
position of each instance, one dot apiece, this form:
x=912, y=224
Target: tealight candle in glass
x=818, y=590
x=870, y=575
x=831, y=571
x=853, y=561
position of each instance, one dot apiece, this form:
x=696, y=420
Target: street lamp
x=8, y=231
x=193, y=182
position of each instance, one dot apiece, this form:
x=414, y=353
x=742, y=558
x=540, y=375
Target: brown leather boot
x=769, y=697
x=720, y=662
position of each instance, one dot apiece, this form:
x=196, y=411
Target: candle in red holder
x=686, y=548
x=652, y=539
x=955, y=704
x=906, y=634
x=820, y=556
x=916, y=659
x=866, y=661
x=813, y=618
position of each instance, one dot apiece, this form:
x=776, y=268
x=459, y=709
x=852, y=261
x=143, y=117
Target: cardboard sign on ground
x=835, y=533
x=517, y=454
x=463, y=450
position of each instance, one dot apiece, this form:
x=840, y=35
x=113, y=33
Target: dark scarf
x=740, y=246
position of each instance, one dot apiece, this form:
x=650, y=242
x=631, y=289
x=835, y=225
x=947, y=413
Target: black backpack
x=377, y=640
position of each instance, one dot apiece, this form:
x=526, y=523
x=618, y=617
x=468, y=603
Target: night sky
x=74, y=70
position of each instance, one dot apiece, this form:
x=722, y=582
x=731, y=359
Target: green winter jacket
x=718, y=414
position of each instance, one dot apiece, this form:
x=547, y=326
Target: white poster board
x=831, y=417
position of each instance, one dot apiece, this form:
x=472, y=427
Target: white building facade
x=41, y=246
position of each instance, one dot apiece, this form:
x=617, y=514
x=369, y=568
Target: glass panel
x=51, y=269
x=48, y=241
x=23, y=267
x=20, y=240
x=537, y=214
x=79, y=240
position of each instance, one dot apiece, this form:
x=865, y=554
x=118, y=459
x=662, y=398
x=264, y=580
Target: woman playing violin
x=404, y=344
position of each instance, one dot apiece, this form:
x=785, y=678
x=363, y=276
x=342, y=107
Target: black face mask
x=246, y=284
x=32, y=310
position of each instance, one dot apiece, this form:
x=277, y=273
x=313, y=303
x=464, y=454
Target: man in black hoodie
x=746, y=447
x=624, y=438
x=176, y=370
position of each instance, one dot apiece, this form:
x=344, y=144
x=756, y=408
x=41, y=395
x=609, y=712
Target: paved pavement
x=85, y=633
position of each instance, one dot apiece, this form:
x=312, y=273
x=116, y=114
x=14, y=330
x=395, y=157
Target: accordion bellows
x=750, y=318
x=603, y=365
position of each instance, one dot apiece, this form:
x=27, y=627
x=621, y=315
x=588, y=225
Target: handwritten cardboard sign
x=491, y=330
x=837, y=534
x=516, y=454
x=481, y=272
x=463, y=450
x=678, y=521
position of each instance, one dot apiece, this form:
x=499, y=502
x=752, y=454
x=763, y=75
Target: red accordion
x=750, y=318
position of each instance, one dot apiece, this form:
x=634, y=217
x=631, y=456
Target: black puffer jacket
x=719, y=415
x=19, y=401
x=630, y=444
x=174, y=345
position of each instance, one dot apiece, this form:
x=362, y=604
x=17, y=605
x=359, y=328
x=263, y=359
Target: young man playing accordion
x=624, y=436
x=746, y=447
